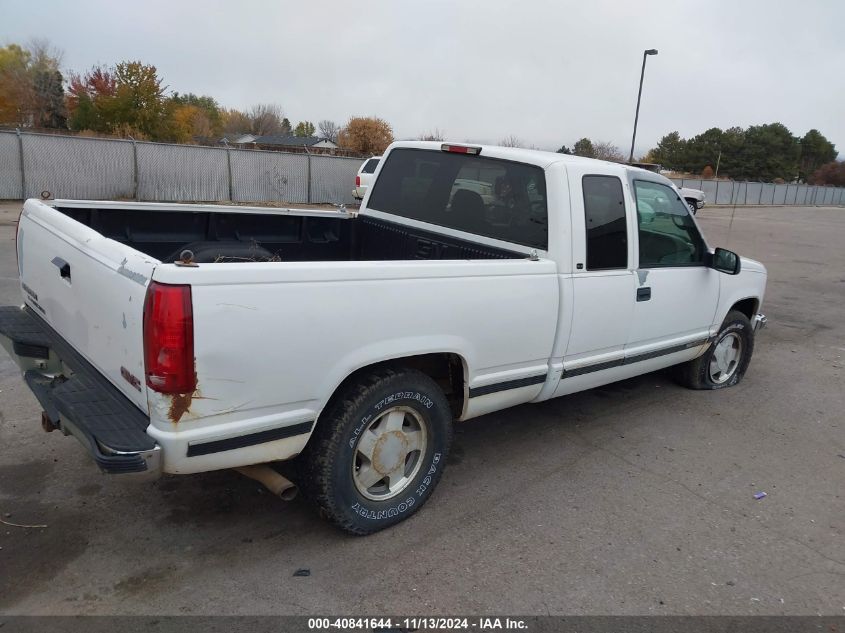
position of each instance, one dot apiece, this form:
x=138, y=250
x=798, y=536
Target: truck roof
x=536, y=157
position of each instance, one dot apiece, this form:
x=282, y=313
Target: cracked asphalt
x=636, y=498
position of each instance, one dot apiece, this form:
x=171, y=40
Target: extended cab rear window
x=485, y=196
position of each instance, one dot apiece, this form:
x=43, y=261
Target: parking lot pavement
x=636, y=498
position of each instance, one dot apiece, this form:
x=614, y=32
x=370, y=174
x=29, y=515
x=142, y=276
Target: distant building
x=281, y=142
x=278, y=143
x=238, y=139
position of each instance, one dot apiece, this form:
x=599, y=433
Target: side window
x=370, y=166
x=604, y=219
x=668, y=235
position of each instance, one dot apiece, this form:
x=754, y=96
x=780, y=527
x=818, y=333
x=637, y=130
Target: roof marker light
x=460, y=149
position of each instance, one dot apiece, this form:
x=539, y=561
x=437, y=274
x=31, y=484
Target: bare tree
x=608, y=151
x=44, y=55
x=328, y=130
x=511, y=141
x=434, y=135
x=267, y=118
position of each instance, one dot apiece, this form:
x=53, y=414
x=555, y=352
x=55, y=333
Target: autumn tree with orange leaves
x=31, y=86
x=366, y=135
x=130, y=100
x=127, y=100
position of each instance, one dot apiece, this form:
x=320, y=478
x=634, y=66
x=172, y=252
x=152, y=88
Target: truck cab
x=639, y=287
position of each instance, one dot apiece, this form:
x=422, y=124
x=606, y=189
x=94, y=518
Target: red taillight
x=169, y=339
x=357, y=181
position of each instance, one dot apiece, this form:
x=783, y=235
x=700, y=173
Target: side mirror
x=725, y=261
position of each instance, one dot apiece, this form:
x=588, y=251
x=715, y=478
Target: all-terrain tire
x=328, y=464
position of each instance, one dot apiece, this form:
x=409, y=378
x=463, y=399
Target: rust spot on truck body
x=180, y=404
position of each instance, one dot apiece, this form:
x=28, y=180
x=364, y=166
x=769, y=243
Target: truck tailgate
x=90, y=290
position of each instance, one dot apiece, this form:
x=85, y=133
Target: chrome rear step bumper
x=76, y=398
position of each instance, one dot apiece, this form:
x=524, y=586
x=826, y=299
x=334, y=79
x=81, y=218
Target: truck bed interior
x=237, y=237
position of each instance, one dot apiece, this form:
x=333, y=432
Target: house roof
x=239, y=137
x=288, y=141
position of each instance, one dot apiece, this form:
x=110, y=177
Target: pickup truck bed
x=259, y=278
x=232, y=234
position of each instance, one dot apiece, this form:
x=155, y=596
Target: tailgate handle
x=63, y=266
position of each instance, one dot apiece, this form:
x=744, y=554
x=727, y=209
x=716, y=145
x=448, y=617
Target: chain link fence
x=11, y=170
x=181, y=172
x=87, y=168
x=331, y=178
x=108, y=169
x=729, y=192
x=101, y=169
x=259, y=176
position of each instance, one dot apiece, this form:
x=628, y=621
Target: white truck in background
x=694, y=198
x=186, y=338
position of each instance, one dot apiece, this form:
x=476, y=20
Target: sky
x=546, y=71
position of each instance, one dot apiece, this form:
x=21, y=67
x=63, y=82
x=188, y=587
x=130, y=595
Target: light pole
x=651, y=51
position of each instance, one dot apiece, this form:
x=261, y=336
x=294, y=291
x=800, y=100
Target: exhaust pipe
x=280, y=486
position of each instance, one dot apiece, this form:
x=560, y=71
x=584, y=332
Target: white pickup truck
x=184, y=338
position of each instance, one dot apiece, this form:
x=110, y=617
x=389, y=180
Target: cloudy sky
x=546, y=71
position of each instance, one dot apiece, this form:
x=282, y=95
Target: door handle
x=63, y=266
x=643, y=294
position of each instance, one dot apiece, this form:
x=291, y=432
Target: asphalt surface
x=636, y=498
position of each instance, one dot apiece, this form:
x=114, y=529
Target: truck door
x=603, y=280
x=677, y=293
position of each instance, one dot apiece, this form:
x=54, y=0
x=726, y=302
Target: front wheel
x=379, y=450
x=726, y=360
x=693, y=205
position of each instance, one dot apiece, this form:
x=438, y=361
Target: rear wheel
x=378, y=450
x=726, y=360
